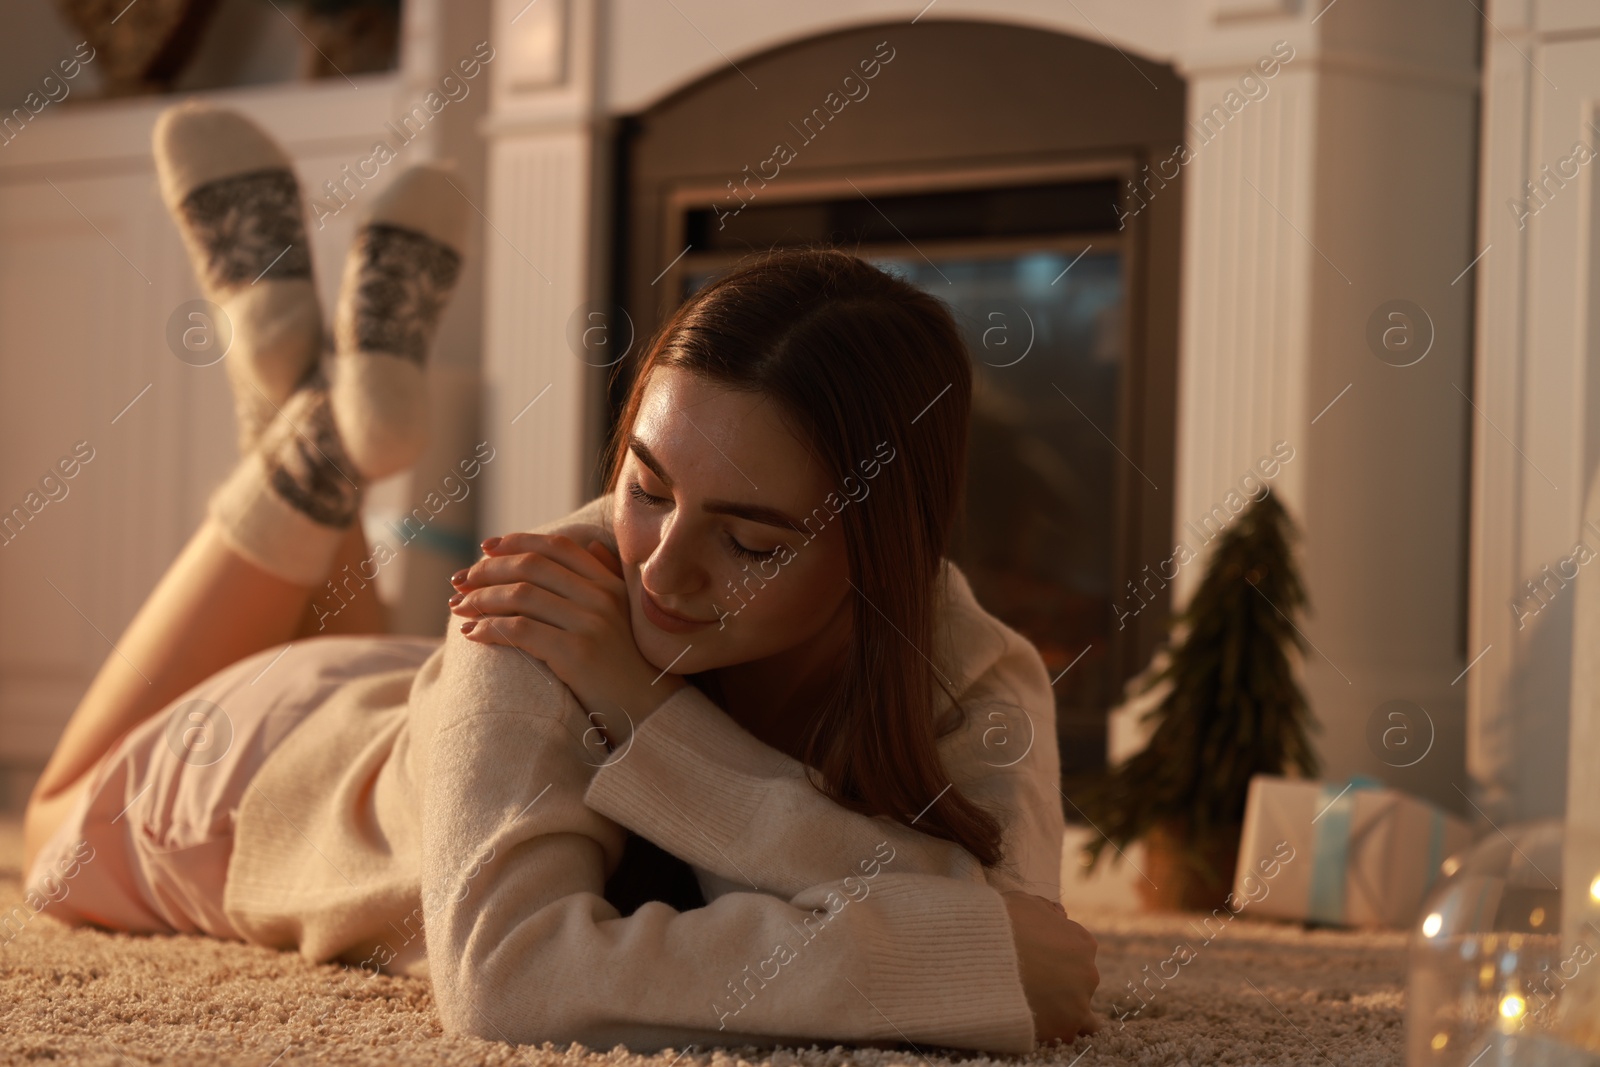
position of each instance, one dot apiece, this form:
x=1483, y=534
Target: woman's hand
x=1057, y=963
x=568, y=606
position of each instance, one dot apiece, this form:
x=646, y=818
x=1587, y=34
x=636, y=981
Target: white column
x=1245, y=290
x=541, y=213
x=1347, y=185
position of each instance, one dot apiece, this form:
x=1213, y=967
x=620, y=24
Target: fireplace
x=1049, y=241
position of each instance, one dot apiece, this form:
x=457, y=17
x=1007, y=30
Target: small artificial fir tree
x=1234, y=708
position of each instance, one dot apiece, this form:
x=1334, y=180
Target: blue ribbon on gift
x=1330, y=853
x=1330, y=850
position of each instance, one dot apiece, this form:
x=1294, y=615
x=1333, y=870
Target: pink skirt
x=146, y=847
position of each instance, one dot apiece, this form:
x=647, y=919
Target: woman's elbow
x=471, y=1012
x=488, y=1009
x=465, y=1004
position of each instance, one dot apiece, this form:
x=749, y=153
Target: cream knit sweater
x=468, y=806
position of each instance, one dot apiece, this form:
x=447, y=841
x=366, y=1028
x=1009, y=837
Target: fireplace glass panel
x=1047, y=329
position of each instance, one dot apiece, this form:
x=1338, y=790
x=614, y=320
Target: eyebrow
x=753, y=512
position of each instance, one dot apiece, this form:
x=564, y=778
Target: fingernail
x=490, y=543
x=458, y=598
x=466, y=627
x=458, y=577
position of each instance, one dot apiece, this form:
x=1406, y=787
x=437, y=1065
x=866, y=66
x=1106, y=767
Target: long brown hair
x=855, y=357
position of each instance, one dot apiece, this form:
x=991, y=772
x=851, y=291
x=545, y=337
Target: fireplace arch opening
x=1017, y=174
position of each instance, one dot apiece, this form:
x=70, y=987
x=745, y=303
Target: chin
x=659, y=649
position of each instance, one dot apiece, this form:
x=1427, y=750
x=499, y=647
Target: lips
x=667, y=620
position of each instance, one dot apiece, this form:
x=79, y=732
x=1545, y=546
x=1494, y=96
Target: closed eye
x=650, y=500
x=750, y=553
x=637, y=492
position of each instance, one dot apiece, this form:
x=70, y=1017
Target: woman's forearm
x=699, y=785
x=703, y=788
x=523, y=946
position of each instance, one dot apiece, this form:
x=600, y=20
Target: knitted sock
x=400, y=272
x=288, y=503
x=233, y=194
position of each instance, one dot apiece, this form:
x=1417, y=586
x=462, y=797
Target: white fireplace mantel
x=1298, y=225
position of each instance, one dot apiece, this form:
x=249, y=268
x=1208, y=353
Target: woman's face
x=708, y=477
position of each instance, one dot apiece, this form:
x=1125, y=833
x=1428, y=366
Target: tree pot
x=1187, y=875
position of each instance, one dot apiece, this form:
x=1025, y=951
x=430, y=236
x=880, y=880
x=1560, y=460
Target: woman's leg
x=212, y=608
x=355, y=607
x=283, y=519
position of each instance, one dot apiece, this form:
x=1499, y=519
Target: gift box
x=1351, y=853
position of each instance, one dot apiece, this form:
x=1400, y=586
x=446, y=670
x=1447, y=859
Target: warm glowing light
x=1440, y=1040
x=1594, y=887
x=1536, y=917
x=1432, y=924
x=1450, y=866
x=1512, y=1006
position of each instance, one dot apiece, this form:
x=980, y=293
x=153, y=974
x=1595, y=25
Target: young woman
x=749, y=652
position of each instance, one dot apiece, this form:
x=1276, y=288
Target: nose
x=671, y=571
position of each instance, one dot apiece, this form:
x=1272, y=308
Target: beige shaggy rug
x=1259, y=992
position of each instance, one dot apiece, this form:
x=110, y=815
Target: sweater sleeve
x=705, y=789
x=524, y=948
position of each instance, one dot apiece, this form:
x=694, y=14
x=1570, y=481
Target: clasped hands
x=568, y=606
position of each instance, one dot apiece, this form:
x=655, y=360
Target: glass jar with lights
x=1504, y=964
